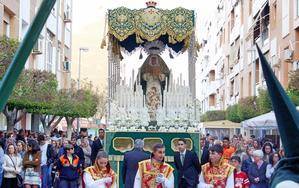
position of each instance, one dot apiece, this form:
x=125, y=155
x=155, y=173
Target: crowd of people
x=33, y=160
x=226, y=163
x=38, y=160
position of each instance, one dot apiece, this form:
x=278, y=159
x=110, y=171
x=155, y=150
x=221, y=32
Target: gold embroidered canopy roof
x=150, y=24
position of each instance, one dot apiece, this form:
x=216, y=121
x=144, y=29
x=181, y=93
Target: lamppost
x=79, y=78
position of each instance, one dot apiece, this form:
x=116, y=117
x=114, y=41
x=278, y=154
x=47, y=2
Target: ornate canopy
x=133, y=28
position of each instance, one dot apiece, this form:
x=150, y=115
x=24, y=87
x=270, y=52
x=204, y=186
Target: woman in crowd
x=21, y=148
x=100, y=175
x=87, y=151
x=247, y=162
x=12, y=166
x=31, y=164
x=267, y=150
x=257, y=171
x=273, y=161
x=256, y=144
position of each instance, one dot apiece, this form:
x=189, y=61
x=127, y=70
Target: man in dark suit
x=131, y=160
x=188, y=166
x=97, y=145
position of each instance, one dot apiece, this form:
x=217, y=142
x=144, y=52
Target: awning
x=265, y=121
x=223, y=124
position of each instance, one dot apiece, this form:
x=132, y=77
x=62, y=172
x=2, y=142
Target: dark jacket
x=79, y=152
x=191, y=168
x=130, y=166
x=255, y=172
x=69, y=171
x=51, y=155
x=96, y=147
x=205, y=154
x=246, y=164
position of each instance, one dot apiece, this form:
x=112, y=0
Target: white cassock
x=91, y=183
x=229, y=182
x=168, y=183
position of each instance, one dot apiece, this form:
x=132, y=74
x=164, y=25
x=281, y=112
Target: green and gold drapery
x=150, y=24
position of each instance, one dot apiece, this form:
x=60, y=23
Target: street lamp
x=79, y=77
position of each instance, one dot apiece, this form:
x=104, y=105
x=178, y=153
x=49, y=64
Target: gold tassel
x=138, y=39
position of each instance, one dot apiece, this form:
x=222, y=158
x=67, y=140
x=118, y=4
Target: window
x=231, y=88
x=250, y=83
x=50, y=46
x=265, y=21
x=232, y=18
x=257, y=30
x=212, y=76
x=257, y=72
x=6, y=29
x=242, y=85
x=212, y=100
x=236, y=85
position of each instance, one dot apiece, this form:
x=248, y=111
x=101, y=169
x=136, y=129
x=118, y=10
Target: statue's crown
x=151, y=4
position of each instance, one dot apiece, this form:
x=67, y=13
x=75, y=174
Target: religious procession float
x=155, y=104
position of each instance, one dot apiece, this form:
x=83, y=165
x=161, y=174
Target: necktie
x=182, y=158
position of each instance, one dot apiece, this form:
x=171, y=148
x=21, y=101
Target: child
x=241, y=178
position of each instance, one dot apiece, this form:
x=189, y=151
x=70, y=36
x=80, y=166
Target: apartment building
x=52, y=52
x=228, y=67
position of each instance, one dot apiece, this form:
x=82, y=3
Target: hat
x=68, y=146
x=217, y=147
x=55, y=138
x=258, y=153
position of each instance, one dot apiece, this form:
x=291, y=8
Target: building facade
x=52, y=52
x=228, y=68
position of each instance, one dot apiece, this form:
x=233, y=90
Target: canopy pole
x=15, y=68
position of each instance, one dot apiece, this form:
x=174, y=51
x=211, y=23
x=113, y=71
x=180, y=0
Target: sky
x=88, y=31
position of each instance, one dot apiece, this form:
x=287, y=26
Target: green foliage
x=294, y=80
x=7, y=49
x=248, y=108
x=232, y=113
x=76, y=103
x=215, y=115
x=264, y=102
x=294, y=95
x=34, y=91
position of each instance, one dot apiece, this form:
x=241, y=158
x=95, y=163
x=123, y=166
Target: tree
x=294, y=80
x=13, y=114
x=8, y=48
x=102, y=104
x=264, y=102
x=248, y=108
x=232, y=113
x=215, y=115
x=73, y=103
x=34, y=91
